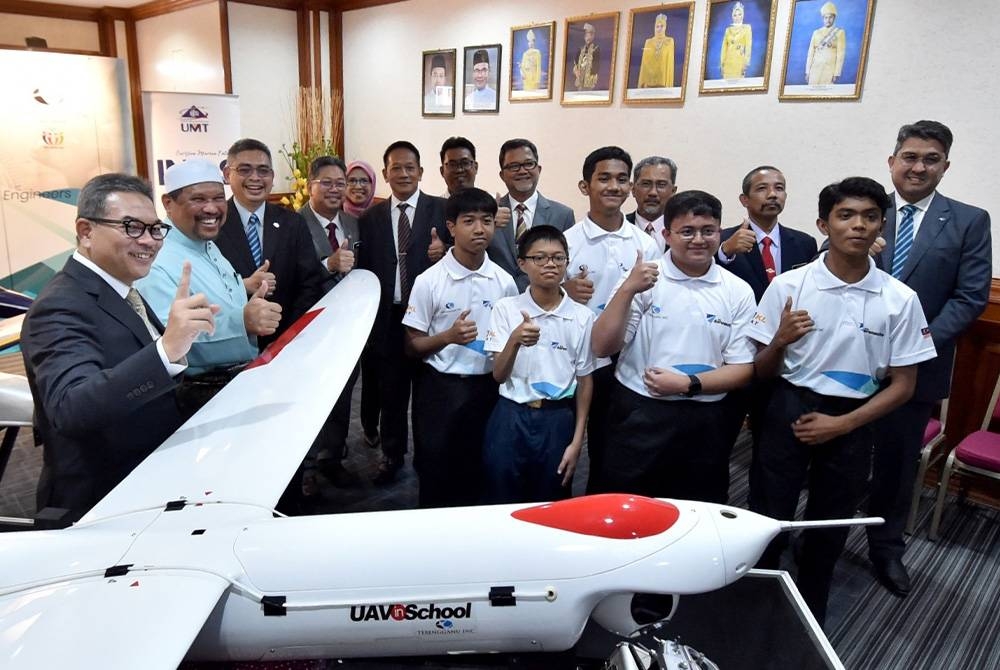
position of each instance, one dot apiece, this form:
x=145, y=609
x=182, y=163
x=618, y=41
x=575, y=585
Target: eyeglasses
x=930, y=161
x=462, y=165
x=327, y=184
x=134, y=228
x=516, y=167
x=541, y=260
x=658, y=185
x=359, y=181
x=262, y=171
x=688, y=234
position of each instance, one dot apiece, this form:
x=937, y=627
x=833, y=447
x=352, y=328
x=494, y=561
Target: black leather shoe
x=387, y=471
x=336, y=473
x=891, y=573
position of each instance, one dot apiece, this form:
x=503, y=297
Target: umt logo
x=194, y=120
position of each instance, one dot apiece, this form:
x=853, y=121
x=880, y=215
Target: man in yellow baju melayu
x=531, y=64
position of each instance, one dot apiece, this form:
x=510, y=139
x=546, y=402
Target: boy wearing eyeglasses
x=446, y=321
x=679, y=324
x=543, y=363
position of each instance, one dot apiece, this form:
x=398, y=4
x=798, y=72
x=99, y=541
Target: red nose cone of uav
x=614, y=516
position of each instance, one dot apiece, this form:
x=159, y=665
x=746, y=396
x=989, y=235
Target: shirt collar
x=594, y=231
x=564, y=310
x=713, y=276
x=826, y=280
x=120, y=287
x=775, y=233
x=458, y=271
x=245, y=213
x=411, y=201
x=642, y=221
x=179, y=237
x=530, y=204
x=921, y=204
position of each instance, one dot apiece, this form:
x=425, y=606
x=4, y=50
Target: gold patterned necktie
x=135, y=302
x=522, y=225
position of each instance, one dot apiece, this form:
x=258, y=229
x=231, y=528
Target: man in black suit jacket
x=103, y=376
x=520, y=170
x=287, y=257
x=742, y=251
x=948, y=263
x=396, y=269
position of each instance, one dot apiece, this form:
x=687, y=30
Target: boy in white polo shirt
x=845, y=338
x=602, y=250
x=446, y=322
x=679, y=324
x=543, y=363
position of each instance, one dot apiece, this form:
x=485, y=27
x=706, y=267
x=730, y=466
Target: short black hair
x=654, y=161
x=539, y=234
x=247, y=144
x=400, y=144
x=458, y=143
x=92, y=201
x=604, y=154
x=469, y=200
x=925, y=130
x=749, y=176
x=852, y=187
x=517, y=143
x=697, y=203
x=325, y=161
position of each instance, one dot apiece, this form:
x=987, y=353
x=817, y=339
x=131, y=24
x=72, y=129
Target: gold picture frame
x=654, y=74
x=589, y=63
x=736, y=53
x=826, y=61
x=530, y=69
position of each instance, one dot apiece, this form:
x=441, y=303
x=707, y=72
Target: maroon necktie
x=403, y=230
x=765, y=253
x=331, y=229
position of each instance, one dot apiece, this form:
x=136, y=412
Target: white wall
x=922, y=64
x=264, y=55
x=59, y=33
x=182, y=51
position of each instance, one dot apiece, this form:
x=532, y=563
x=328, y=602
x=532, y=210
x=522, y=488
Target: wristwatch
x=694, y=388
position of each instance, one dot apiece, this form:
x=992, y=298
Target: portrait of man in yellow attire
x=657, y=67
x=736, y=44
x=827, y=49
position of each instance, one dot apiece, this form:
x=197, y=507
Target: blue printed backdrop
x=757, y=14
x=851, y=16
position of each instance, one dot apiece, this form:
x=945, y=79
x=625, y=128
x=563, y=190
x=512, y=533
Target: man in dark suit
x=760, y=248
x=101, y=367
x=334, y=233
x=400, y=238
x=520, y=170
x=654, y=182
x=265, y=241
x=941, y=249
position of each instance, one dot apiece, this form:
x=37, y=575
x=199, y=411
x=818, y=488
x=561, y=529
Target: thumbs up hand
x=527, y=332
x=580, y=288
x=793, y=326
x=503, y=216
x=435, y=251
x=261, y=316
x=261, y=274
x=740, y=242
x=463, y=330
x=642, y=276
x=342, y=260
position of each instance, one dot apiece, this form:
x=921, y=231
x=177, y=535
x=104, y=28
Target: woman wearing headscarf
x=360, y=188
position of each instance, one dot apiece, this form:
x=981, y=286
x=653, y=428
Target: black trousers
x=667, y=448
x=396, y=373
x=331, y=441
x=450, y=413
x=899, y=437
x=836, y=472
x=370, y=393
x=597, y=420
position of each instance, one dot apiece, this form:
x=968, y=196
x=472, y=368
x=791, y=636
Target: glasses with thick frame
x=930, y=161
x=541, y=260
x=688, y=234
x=516, y=167
x=134, y=228
x=327, y=184
x=460, y=166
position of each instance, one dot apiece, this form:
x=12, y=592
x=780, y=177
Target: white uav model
x=186, y=559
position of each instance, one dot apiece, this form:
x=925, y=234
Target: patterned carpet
x=950, y=620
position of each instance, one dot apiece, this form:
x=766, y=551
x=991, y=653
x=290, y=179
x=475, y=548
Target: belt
x=545, y=403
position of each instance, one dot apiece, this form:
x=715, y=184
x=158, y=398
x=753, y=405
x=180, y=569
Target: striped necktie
x=254, y=239
x=522, y=224
x=904, y=240
x=403, y=233
x=135, y=302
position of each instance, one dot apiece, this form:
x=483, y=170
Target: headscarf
x=350, y=207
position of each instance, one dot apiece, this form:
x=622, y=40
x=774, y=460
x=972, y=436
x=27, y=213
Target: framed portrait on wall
x=482, y=78
x=531, y=61
x=589, y=59
x=659, y=42
x=439, y=83
x=737, y=47
x=827, y=49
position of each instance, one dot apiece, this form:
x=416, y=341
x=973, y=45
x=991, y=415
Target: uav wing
x=247, y=442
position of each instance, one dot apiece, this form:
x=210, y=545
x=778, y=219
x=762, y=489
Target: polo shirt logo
x=558, y=347
x=866, y=331
x=712, y=318
x=488, y=304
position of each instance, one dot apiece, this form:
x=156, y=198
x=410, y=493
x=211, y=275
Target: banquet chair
x=934, y=435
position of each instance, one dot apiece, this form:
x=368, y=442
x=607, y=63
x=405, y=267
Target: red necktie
x=765, y=253
x=331, y=229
